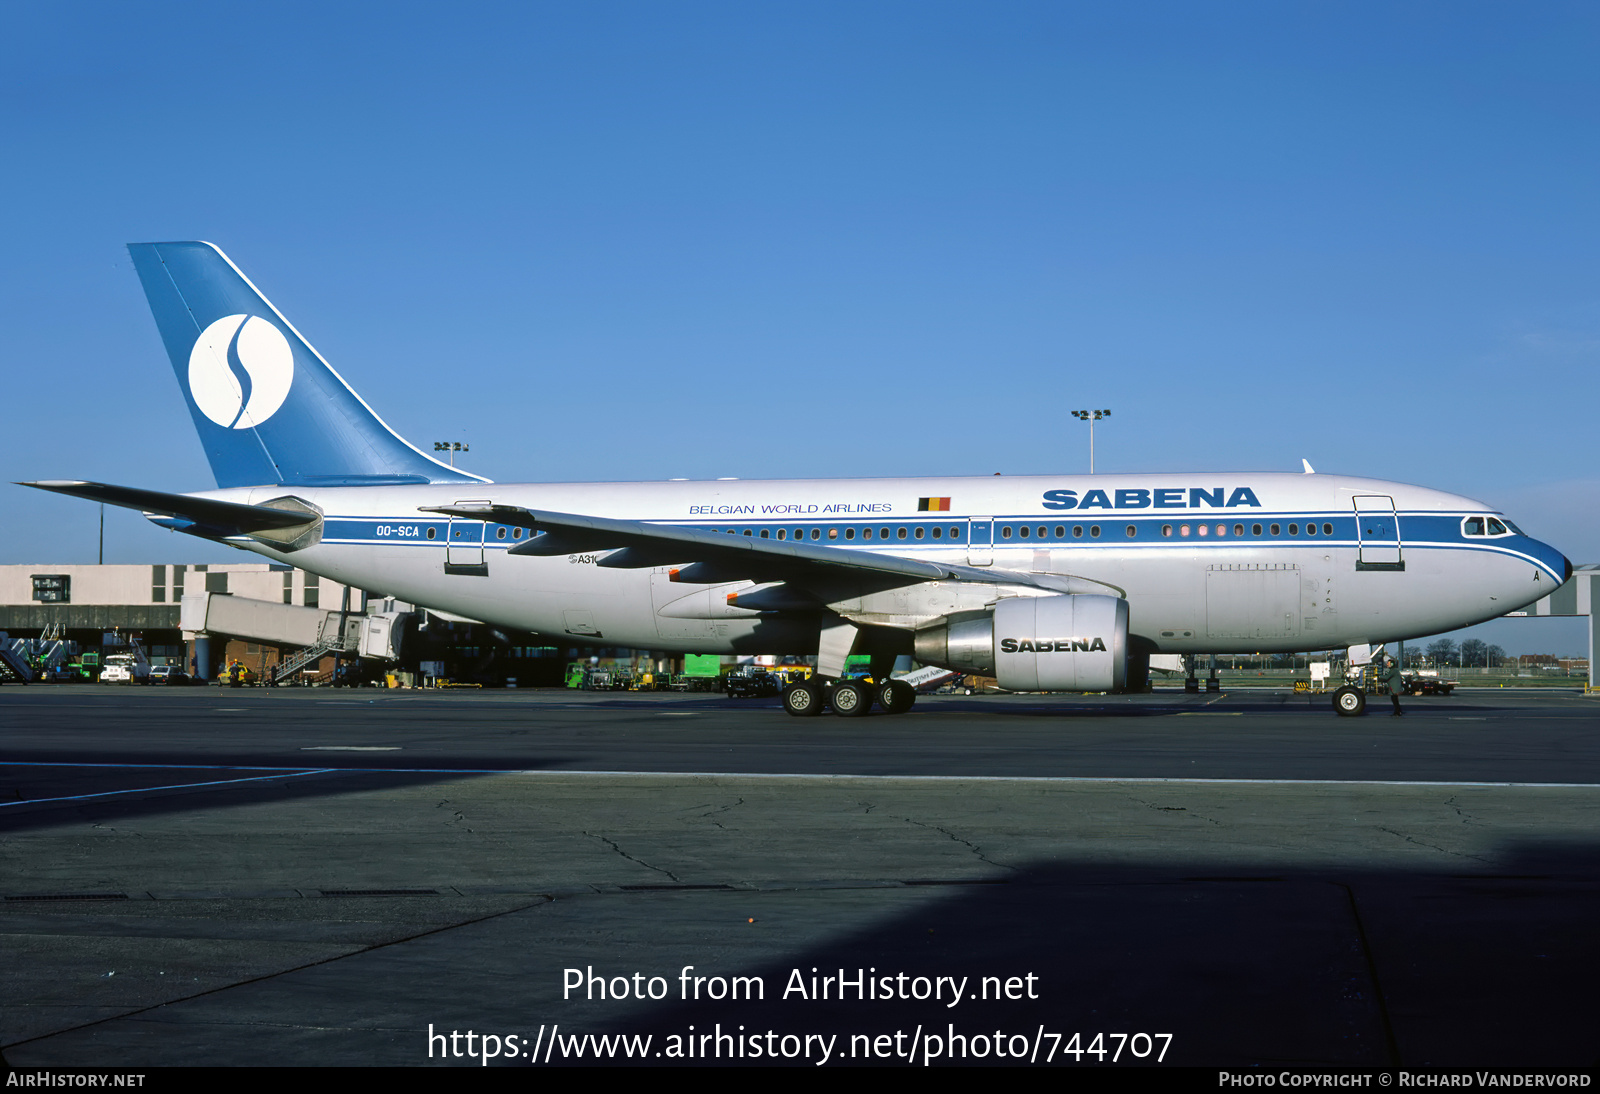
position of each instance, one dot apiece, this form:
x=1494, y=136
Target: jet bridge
x=313, y=633
x=1576, y=596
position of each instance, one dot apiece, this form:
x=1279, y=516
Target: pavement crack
x=356, y=951
x=710, y=813
x=1432, y=846
x=1176, y=809
x=1465, y=817
x=968, y=844
x=613, y=845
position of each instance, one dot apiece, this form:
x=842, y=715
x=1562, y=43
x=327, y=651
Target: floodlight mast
x=1091, y=416
x=451, y=447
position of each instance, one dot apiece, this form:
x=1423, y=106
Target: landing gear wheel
x=895, y=697
x=850, y=699
x=1350, y=702
x=802, y=700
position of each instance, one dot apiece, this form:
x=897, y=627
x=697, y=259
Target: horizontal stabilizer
x=212, y=516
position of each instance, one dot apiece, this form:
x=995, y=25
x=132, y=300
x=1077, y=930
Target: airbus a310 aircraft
x=1049, y=583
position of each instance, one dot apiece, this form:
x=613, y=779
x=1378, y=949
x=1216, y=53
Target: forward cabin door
x=1378, y=545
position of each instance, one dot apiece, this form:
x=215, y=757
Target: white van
x=124, y=668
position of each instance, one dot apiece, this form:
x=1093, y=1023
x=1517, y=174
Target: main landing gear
x=848, y=698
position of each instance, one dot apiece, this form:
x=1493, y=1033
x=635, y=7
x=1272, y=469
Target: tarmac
x=308, y=877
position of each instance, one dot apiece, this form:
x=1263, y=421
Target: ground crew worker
x=1397, y=684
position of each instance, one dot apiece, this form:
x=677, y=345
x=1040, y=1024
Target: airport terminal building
x=205, y=618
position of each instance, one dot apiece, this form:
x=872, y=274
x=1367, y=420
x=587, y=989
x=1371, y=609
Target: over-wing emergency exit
x=1048, y=583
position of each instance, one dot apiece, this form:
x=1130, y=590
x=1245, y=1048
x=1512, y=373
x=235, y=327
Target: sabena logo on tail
x=240, y=370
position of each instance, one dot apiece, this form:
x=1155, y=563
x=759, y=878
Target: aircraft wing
x=202, y=516
x=714, y=557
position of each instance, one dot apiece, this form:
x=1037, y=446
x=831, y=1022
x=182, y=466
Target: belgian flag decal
x=933, y=505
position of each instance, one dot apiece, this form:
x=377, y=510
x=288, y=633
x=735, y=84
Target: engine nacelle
x=1046, y=643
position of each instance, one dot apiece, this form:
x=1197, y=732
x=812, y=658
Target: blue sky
x=647, y=240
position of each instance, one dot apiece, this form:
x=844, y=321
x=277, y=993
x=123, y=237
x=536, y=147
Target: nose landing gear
x=1349, y=702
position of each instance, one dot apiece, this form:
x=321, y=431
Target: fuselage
x=1209, y=563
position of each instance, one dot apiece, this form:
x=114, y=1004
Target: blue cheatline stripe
x=1430, y=532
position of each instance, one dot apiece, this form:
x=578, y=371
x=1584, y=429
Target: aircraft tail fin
x=268, y=408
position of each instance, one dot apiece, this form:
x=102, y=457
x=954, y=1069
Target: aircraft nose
x=1568, y=575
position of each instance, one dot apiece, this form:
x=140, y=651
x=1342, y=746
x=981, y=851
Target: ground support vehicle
x=757, y=684
x=124, y=668
x=1425, y=683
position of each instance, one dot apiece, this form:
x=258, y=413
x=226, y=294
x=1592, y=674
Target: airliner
x=1049, y=583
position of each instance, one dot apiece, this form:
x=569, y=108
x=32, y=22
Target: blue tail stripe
x=268, y=408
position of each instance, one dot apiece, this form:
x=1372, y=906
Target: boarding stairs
x=14, y=667
x=338, y=636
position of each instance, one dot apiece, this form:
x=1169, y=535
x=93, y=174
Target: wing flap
x=720, y=556
x=687, y=544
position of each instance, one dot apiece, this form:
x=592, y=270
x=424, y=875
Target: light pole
x=451, y=447
x=1091, y=416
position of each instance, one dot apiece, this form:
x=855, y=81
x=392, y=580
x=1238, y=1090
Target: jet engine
x=1046, y=643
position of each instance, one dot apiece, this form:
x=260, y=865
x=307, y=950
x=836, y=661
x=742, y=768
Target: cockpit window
x=1515, y=530
x=1488, y=526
